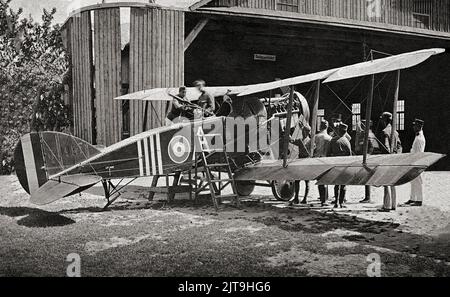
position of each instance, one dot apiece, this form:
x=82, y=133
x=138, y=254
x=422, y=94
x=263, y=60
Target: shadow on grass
x=36, y=218
x=202, y=203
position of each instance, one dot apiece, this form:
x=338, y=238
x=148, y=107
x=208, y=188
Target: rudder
x=39, y=155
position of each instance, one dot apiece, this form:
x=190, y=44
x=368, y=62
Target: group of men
x=331, y=141
x=335, y=141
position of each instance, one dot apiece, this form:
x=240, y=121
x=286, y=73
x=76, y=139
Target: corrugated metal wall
x=107, y=55
x=156, y=60
x=82, y=80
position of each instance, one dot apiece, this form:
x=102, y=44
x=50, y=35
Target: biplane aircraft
x=53, y=165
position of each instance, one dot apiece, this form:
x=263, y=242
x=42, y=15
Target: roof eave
x=199, y=4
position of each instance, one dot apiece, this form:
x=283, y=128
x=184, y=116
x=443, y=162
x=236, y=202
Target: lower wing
x=381, y=170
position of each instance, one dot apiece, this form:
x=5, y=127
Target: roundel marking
x=179, y=149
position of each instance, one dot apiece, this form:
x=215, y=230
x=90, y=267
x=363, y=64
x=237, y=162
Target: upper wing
x=388, y=64
x=258, y=88
x=192, y=94
x=381, y=170
x=392, y=63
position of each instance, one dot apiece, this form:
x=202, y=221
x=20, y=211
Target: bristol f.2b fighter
x=247, y=145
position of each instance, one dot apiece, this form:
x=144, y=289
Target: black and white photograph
x=240, y=140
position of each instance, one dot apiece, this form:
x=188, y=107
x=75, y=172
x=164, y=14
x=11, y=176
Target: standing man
x=177, y=109
x=339, y=147
x=206, y=101
x=304, y=145
x=322, y=144
x=336, y=121
x=385, y=137
x=417, y=147
x=390, y=198
x=373, y=148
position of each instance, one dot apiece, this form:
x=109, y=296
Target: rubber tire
x=245, y=188
x=288, y=192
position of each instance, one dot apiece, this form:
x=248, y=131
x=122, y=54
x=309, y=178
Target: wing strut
x=287, y=130
x=394, y=113
x=144, y=124
x=314, y=118
x=368, y=117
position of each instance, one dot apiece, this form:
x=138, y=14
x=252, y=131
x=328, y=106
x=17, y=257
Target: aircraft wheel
x=245, y=188
x=283, y=190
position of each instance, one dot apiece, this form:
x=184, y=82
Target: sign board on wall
x=264, y=57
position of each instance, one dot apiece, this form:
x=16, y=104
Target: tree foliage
x=33, y=71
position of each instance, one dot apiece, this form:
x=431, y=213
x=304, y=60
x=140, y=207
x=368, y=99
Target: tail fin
x=39, y=155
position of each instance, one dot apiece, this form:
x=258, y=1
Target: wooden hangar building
x=123, y=47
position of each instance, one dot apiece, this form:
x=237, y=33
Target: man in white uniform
x=417, y=147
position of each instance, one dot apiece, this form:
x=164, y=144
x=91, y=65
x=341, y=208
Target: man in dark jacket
x=339, y=147
x=206, y=101
x=177, y=109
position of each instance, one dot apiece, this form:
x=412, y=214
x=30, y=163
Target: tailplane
x=64, y=186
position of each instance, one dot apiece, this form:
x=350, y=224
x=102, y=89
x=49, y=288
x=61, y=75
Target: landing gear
x=112, y=192
x=245, y=188
x=283, y=190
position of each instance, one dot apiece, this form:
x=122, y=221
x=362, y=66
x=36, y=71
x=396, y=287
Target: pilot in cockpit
x=206, y=101
x=177, y=112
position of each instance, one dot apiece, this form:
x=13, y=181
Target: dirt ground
x=263, y=238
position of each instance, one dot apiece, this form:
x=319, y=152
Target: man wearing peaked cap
x=386, y=115
x=336, y=117
x=417, y=147
x=388, y=147
x=340, y=146
x=373, y=148
x=336, y=121
x=343, y=127
x=304, y=146
x=321, y=145
x=419, y=123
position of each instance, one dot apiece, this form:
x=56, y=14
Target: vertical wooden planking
x=180, y=37
x=135, y=106
x=447, y=15
x=118, y=78
x=99, y=73
x=168, y=61
x=79, y=78
x=81, y=61
x=145, y=59
x=153, y=25
x=107, y=48
x=158, y=38
x=75, y=76
x=158, y=67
